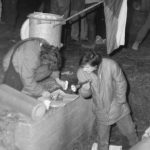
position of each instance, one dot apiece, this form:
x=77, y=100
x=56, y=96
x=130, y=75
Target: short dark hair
x=52, y=54
x=92, y=58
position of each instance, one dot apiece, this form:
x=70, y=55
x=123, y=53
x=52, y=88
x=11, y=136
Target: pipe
x=18, y=102
x=80, y=12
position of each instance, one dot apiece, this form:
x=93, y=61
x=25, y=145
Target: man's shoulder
x=31, y=43
x=31, y=47
x=110, y=64
x=108, y=61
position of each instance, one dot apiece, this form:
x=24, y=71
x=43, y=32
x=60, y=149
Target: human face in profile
x=89, y=69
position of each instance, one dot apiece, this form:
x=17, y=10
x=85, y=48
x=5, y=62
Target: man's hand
x=63, y=84
x=74, y=88
x=85, y=90
x=46, y=94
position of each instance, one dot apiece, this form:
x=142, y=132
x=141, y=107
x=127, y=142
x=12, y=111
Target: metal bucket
x=44, y=25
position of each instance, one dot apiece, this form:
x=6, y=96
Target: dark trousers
x=9, y=14
x=144, y=30
x=91, y=24
x=126, y=127
x=60, y=7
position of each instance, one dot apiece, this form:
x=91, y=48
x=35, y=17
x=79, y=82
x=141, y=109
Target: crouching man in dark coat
x=29, y=61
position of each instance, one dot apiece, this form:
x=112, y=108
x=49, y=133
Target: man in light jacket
x=107, y=86
x=28, y=61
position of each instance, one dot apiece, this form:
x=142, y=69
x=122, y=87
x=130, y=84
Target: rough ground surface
x=136, y=66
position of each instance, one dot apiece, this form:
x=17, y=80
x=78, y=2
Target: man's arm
x=31, y=87
x=85, y=90
x=30, y=63
x=6, y=59
x=120, y=81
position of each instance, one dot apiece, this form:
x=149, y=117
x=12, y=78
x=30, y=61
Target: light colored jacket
x=108, y=90
x=26, y=61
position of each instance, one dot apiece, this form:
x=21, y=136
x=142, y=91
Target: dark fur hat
x=51, y=54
